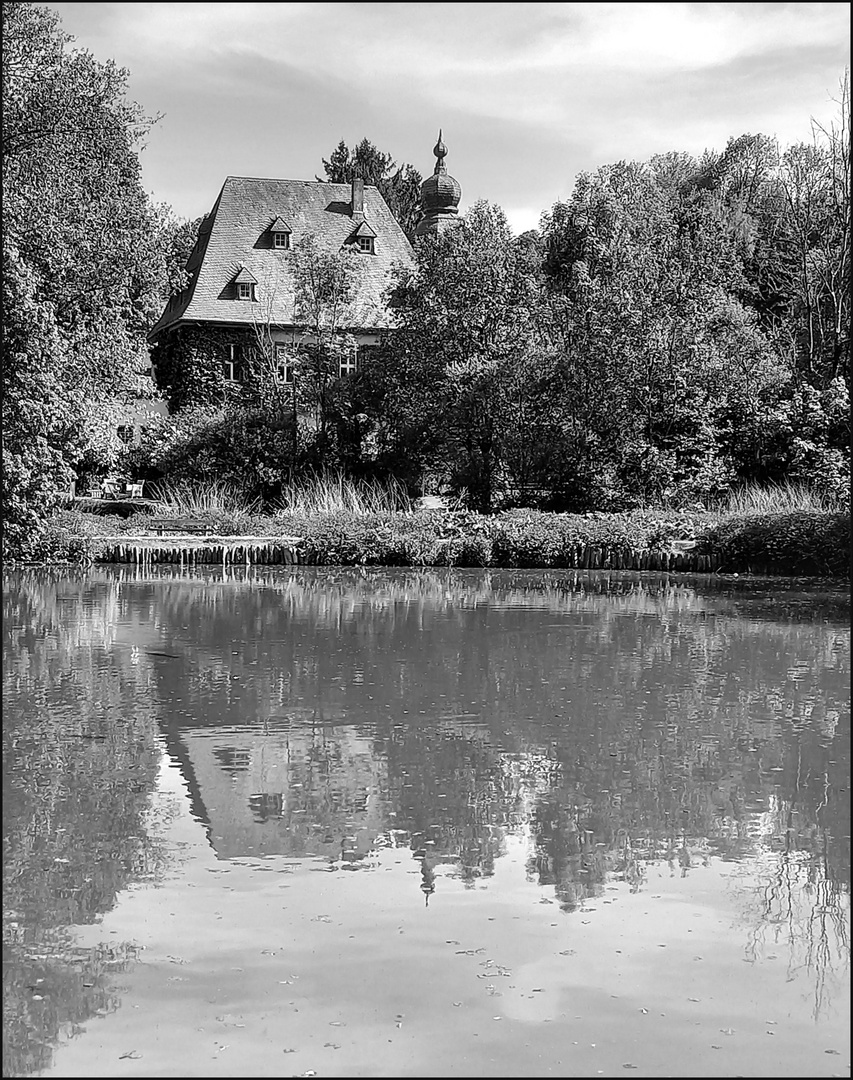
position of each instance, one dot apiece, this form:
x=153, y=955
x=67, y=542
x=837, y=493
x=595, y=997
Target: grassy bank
x=799, y=542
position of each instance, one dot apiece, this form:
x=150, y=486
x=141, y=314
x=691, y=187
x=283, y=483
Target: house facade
x=246, y=291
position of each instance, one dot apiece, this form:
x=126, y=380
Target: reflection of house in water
x=296, y=792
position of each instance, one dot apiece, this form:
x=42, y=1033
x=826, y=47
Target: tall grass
x=332, y=493
x=783, y=498
x=181, y=498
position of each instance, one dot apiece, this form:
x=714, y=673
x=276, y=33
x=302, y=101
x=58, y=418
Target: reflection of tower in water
x=427, y=874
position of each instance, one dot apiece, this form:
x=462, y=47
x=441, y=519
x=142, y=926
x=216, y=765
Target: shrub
x=799, y=542
x=244, y=447
x=71, y=536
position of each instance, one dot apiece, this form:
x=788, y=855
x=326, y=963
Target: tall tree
x=453, y=375
x=78, y=226
x=325, y=293
x=646, y=278
x=400, y=186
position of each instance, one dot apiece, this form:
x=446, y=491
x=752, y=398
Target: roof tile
x=235, y=234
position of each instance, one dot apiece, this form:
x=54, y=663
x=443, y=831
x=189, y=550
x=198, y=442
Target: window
x=348, y=364
x=280, y=233
x=365, y=245
x=366, y=353
x=245, y=290
x=284, y=363
x=231, y=365
x=125, y=433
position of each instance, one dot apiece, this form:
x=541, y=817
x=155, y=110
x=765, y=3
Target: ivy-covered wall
x=189, y=364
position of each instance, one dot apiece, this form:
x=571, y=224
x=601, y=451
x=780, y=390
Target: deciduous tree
x=78, y=229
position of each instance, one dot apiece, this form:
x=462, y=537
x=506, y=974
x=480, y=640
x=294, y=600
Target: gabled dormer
x=280, y=233
x=245, y=285
x=363, y=239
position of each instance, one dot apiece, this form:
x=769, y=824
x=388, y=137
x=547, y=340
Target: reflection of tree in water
x=79, y=764
x=565, y=853
x=802, y=867
x=707, y=692
x=53, y=991
x=448, y=795
x=802, y=910
x=618, y=723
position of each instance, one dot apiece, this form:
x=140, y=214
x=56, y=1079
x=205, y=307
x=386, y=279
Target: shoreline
x=781, y=544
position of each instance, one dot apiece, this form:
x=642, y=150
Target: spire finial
x=440, y=151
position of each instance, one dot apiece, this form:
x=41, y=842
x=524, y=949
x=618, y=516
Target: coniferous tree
x=400, y=186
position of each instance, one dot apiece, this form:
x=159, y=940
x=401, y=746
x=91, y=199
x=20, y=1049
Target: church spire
x=440, y=151
x=440, y=195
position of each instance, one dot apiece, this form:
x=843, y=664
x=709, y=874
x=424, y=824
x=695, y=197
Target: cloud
x=528, y=95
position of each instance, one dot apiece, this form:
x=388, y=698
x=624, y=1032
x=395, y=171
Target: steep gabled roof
x=236, y=234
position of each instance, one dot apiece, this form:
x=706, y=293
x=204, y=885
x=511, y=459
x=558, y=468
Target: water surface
x=407, y=823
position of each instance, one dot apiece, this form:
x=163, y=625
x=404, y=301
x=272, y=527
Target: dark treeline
x=678, y=328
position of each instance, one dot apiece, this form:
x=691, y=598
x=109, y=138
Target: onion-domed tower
x=440, y=195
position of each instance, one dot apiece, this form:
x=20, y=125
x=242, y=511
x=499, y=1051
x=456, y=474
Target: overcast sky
x=528, y=95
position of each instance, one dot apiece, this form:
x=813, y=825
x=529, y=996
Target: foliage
x=677, y=330
x=239, y=446
x=662, y=360
x=800, y=541
x=38, y=418
x=190, y=368
x=74, y=203
x=456, y=385
x=177, y=238
x=797, y=542
x=81, y=241
x=400, y=186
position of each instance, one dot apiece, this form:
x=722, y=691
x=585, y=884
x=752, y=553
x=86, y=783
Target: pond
x=370, y=823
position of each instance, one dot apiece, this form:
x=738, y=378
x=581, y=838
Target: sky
x=527, y=95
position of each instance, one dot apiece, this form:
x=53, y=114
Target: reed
x=782, y=498
x=331, y=493
x=184, y=499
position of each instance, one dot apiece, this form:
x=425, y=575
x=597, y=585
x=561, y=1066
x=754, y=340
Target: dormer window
x=280, y=232
x=245, y=284
x=363, y=239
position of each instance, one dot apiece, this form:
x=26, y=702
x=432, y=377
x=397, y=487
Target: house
x=243, y=293
x=243, y=288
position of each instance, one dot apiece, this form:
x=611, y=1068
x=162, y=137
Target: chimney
x=357, y=199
